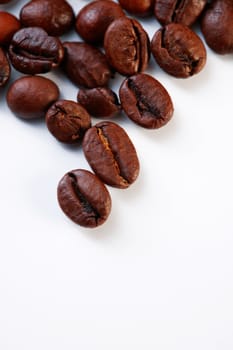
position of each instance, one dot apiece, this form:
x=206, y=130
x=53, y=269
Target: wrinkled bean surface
x=84, y=198
x=33, y=51
x=127, y=46
x=145, y=101
x=178, y=50
x=111, y=154
x=185, y=12
x=67, y=121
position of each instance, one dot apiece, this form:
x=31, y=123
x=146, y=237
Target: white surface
x=158, y=274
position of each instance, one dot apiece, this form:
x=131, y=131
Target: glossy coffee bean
x=94, y=18
x=30, y=97
x=5, y=69
x=67, y=121
x=145, y=101
x=185, y=12
x=127, y=46
x=138, y=7
x=217, y=26
x=85, y=65
x=178, y=50
x=84, y=198
x=9, y=24
x=33, y=51
x=99, y=102
x=111, y=154
x=55, y=17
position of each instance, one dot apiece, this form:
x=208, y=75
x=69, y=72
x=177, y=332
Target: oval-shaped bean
x=127, y=46
x=85, y=65
x=29, y=97
x=145, y=101
x=84, y=198
x=111, y=154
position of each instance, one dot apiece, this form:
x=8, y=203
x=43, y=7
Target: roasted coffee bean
x=84, y=198
x=127, y=46
x=178, y=50
x=145, y=101
x=111, y=154
x=185, y=12
x=217, y=26
x=138, y=7
x=94, y=18
x=86, y=65
x=5, y=69
x=9, y=24
x=99, y=102
x=67, y=121
x=55, y=17
x=30, y=97
x=32, y=51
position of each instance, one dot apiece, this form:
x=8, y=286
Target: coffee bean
x=145, y=101
x=9, y=24
x=178, y=50
x=32, y=51
x=55, y=17
x=185, y=12
x=84, y=198
x=29, y=97
x=94, y=18
x=86, y=65
x=138, y=7
x=5, y=69
x=217, y=26
x=127, y=46
x=67, y=121
x=99, y=102
x=111, y=154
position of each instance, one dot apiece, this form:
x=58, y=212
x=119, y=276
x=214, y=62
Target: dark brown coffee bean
x=94, y=18
x=55, y=17
x=86, y=65
x=32, y=51
x=5, y=69
x=146, y=101
x=29, y=97
x=138, y=7
x=178, y=50
x=67, y=121
x=99, y=102
x=9, y=24
x=185, y=12
x=127, y=46
x=84, y=198
x=217, y=26
x=111, y=154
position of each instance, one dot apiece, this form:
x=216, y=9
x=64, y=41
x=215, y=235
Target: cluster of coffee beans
x=113, y=41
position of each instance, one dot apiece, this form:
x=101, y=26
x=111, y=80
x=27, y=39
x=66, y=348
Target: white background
x=158, y=273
